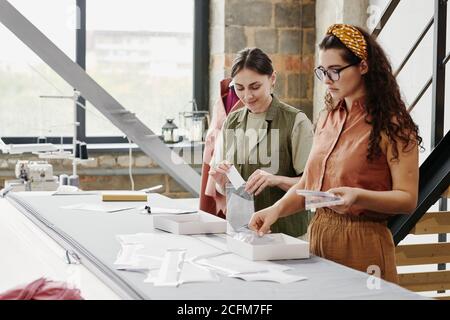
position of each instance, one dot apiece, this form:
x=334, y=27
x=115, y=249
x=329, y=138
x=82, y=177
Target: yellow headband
x=351, y=37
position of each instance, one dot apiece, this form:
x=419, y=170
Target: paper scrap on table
x=141, y=263
x=130, y=259
x=272, y=276
x=72, y=191
x=98, y=207
x=156, y=244
x=156, y=210
x=169, y=273
x=126, y=239
x=127, y=254
x=190, y=273
x=232, y=264
x=235, y=178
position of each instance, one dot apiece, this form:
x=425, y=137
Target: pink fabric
x=210, y=200
x=42, y=289
x=230, y=100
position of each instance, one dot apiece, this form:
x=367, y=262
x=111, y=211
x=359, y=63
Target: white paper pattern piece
x=170, y=270
x=166, y=263
x=156, y=244
x=272, y=275
x=235, y=178
x=72, y=191
x=319, y=199
x=127, y=255
x=156, y=210
x=130, y=238
x=98, y=207
x=190, y=273
x=233, y=264
x=141, y=263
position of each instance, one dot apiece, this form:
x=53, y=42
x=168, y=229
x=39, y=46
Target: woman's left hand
x=259, y=180
x=350, y=195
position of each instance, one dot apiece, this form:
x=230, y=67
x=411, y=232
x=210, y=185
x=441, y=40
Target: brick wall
x=284, y=29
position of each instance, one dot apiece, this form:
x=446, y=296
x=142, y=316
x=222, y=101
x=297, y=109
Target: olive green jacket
x=272, y=152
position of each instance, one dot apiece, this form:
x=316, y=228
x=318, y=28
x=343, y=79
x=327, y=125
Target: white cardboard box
x=196, y=223
x=282, y=247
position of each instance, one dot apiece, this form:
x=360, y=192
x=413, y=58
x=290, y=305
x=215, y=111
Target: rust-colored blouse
x=338, y=156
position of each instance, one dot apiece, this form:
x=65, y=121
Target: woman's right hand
x=219, y=173
x=262, y=220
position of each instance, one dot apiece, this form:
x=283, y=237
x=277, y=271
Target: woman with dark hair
x=365, y=150
x=267, y=140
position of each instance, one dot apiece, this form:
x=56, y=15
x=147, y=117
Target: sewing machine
x=33, y=176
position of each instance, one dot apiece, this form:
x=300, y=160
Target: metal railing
x=434, y=176
x=439, y=166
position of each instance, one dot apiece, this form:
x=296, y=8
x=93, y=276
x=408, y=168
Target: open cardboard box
x=196, y=223
x=283, y=247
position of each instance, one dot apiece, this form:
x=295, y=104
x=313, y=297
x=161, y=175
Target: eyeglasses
x=332, y=74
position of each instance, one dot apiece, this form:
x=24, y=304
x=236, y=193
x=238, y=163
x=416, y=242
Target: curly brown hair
x=386, y=111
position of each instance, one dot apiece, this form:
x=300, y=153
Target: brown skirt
x=354, y=241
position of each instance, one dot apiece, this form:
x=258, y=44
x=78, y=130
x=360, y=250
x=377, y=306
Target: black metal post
x=437, y=120
x=385, y=17
x=81, y=61
x=201, y=54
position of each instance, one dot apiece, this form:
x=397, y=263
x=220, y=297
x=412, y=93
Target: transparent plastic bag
x=319, y=199
x=240, y=207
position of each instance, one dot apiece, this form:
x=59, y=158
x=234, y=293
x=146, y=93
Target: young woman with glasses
x=365, y=150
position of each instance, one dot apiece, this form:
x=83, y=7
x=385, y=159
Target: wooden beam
x=433, y=222
x=425, y=281
x=414, y=254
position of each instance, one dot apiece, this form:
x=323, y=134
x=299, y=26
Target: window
x=24, y=77
x=143, y=53
x=143, y=56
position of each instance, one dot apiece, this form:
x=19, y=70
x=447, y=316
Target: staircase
x=434, y=178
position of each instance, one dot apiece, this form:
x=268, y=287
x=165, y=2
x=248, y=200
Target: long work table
x=91, y=238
